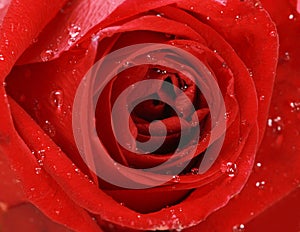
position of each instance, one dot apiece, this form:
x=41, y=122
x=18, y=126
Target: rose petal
x=277, y=162
x=49, y=100
x=246, y=24
x=11, y=189
x=90, y=17
x=38, y=14
x=28, y=218
x=36, y=183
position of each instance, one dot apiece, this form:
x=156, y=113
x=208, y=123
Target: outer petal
x=145, y=223
x=242, y=34
x=84, y=17
x=28, y=218
x=11, y=29
x=277, y=162
x=35, y=15
x=11, y=192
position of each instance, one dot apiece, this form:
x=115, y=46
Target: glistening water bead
x=74, y=32
x=238, y=228
x=46, y=55
x=295, y=106
x=56, y=98
x=49, y=128
x=230, y=169
x=260, y=184
x=291, y=16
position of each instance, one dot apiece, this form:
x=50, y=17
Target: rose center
x=169, y=103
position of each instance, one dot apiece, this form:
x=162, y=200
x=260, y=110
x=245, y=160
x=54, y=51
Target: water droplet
x=38, y=170
x=224, y=65
x=195, y=171
x=41, y=162
x=262, y=98
x=56, y=98
x=47, y=55
x=207, y=18
x=291, y=16
x=226, y=115
x=250, y=72
x=295, y=106
x=192, y=8
x=260, y=184
x=129, y=146
x=258, y=5
x=276, y=124
x=160, y=71
x=277, y=119
x=279, y=128
x=230, y=169
x=194, y=123
x=73, y=60
x=127, y=64
x=270, y=122
x=151, y=58
x=34, y=40
x=258, y=165
x=286, y=56
x=176, y=179
x=95, y=38
x=273, y=33
x=237, y=17
x=138, y=216
x=1, y=57
x=238, y=228
x=57, y=212
x=49, y=129
x=184, y=87
x=74, y=31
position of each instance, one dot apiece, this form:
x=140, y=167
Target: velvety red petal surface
x=72, y=23
x=276, y=173
x=26, y=217
x=10, y=50
x=11, y=189
x=68, y=185
x=288, y=221
x=37, y=15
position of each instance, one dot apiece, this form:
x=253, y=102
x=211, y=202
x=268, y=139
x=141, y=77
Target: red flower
x=237, y=43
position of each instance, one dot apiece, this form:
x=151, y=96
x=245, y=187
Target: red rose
x=235, y=41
